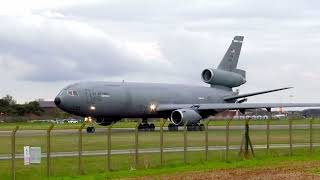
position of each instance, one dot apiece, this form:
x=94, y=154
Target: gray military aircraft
x=108, y=102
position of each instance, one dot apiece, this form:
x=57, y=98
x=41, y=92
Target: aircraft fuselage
x=132, y=100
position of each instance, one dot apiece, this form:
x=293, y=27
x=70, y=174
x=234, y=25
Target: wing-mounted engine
x=104, y=121
x=182, y=116
x=224, y=78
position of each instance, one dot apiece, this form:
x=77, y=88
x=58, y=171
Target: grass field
x=149, y=164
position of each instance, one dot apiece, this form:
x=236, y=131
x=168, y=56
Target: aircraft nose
x=57, y=101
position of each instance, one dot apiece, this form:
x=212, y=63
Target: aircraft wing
x=228, y=98
x=231, y=106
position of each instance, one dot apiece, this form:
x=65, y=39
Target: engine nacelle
x=104, y=121
x=223, y=78
x=181, y=116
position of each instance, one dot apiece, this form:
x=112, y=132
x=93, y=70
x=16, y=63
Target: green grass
x=132, y=124
x=94, y=167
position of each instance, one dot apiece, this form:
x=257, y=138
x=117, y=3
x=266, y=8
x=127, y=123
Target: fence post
x=49, y=149
x=80, y=166
x=206, y=124
x=227, y=138
x=185, y=143
x=290, y=135
x=246, y=141
x=109, y=147
x=161, y=140
x=246, y=153
x=311, y=135
x=13, y=153
x=137, y=144
x=268, y=135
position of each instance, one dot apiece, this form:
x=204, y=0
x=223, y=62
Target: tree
x=9, y=99
x=10, y=107
x=6, y=104
x=33, y=107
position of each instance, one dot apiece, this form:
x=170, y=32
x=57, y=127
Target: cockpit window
x=72, y=93
x=61, y=92
x=75, y=93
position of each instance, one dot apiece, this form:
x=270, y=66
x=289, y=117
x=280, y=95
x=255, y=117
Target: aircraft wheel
x=146, y=127
x=197, y=128
x=172, y=127
x=152, y=127
x=90, y=129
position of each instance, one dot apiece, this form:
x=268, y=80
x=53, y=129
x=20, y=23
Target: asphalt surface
x=104, y=130
x=156, y=150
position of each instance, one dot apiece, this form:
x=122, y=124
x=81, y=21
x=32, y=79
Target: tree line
x=10, y=107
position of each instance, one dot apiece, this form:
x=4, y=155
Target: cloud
x=60, y=48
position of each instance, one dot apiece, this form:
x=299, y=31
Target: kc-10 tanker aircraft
x=109, y=102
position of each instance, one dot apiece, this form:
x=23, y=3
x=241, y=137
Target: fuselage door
x=88, y=96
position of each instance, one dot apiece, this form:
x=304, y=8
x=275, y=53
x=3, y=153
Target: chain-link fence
x=69, y=152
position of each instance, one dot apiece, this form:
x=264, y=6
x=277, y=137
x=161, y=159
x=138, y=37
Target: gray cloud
x=63, y=49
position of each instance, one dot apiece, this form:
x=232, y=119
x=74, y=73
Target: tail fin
x=230, y=59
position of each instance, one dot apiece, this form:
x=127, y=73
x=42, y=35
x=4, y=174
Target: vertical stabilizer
x=230, y=59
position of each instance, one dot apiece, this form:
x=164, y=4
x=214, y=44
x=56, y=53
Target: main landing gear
x=195, y=127
x=173, y=127
x=146, y=127
x=191, y=127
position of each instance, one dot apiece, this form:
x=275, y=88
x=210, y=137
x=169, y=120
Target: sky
x=46, y=45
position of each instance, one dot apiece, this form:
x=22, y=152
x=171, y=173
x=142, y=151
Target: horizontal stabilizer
x=230, y=98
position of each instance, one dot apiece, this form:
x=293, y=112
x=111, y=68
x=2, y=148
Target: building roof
x=47, y=104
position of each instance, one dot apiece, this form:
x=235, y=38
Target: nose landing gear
x=91, y=129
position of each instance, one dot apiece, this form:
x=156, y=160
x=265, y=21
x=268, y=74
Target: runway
x=157, y=150
x=103, y=130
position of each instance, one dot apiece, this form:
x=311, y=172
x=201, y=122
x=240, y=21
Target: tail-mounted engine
x=224, y=78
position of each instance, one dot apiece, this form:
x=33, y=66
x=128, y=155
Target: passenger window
x=105, y=95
